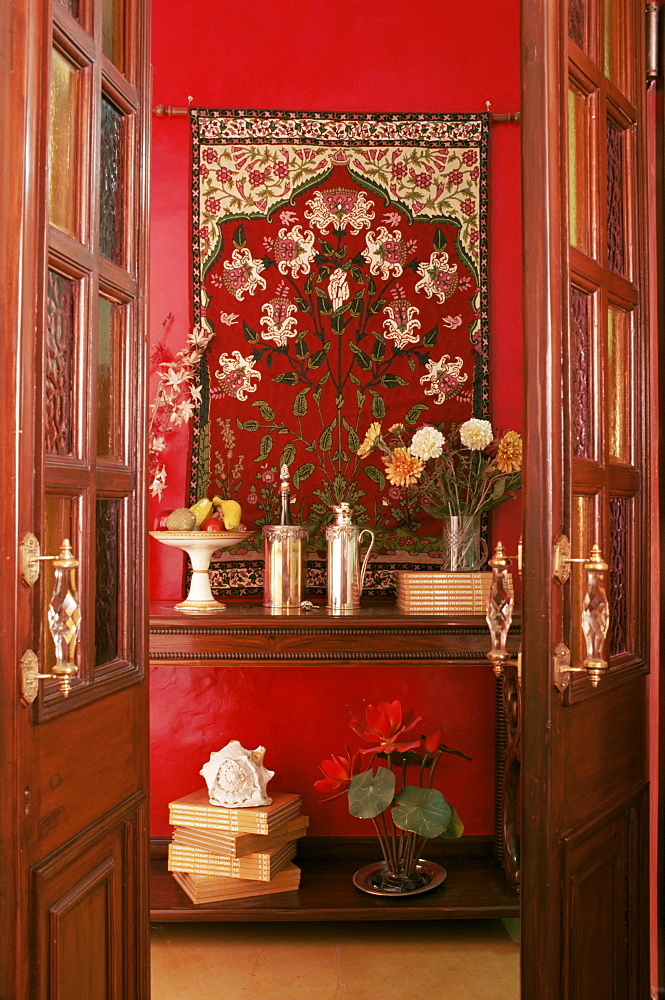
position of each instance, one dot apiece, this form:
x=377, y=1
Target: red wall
x=332, y=55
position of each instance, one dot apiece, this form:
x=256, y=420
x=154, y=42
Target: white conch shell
x=236, y=777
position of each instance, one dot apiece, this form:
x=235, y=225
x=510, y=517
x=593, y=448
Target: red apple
x=212, y=524
x=160, y=520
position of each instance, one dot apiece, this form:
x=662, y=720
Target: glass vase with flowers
x=454, y=474
x=404, y=813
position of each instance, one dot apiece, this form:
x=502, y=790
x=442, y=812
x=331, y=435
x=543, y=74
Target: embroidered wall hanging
x=340, y=278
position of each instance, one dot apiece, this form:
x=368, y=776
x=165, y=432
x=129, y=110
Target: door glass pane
x=62, y=144
x=113, y=31
x=59, y=380
x=582, y=373
x=619, y=377
x=578, y=169
x=583, y=519
x=109, y=415
x=620, y=513
x=58, y=525
x=615, y=199
x=106, y=591
x=617, y=44
x=608, y=39
x=112, y=183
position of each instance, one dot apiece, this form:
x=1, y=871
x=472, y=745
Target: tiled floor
x=465, y=959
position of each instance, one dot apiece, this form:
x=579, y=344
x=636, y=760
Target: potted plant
x=405, y=813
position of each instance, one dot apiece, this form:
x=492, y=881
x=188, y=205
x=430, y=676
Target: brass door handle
x=595, y=618
x=500, y=607
x=64, y=618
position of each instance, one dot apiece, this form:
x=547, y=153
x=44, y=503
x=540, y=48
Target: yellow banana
x=201, y=510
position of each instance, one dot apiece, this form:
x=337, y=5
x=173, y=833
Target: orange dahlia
x=371, y=437
x=509, y=453
x=402, y=468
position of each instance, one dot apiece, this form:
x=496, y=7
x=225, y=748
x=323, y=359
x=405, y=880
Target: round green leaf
x=455, y=827
x=370, y=793
x=421, y=810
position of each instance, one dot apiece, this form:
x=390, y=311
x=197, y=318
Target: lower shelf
x=475, y=887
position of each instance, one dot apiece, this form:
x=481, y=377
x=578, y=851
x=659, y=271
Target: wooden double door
x=73, y=170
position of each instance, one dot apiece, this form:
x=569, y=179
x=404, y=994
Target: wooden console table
x=246, y=634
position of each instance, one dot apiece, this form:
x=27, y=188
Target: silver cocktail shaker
x=346, y=574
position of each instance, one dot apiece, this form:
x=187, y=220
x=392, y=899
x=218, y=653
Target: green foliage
x=455, y=827
x=288, y=454
x=247, y=425
x=413, y=415
x=326, y=437
x=303, y=472
x=353, y=439
x=370, y=793
x=390, y=381
x=375, y=475
x=421, y=810
x=378, y=405
x=265, y=409
x=300, y=403
x=265, y=447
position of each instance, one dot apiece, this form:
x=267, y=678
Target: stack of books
x=440, y=593
x=219, y=853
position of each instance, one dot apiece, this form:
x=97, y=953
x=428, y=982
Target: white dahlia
x=476, y=434
x=427, y=442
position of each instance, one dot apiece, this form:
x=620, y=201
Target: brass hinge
x=652, y=60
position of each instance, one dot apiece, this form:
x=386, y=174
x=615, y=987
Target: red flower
x=338, y=774
x=212, y=205
x=385, y=724
x=432, y=742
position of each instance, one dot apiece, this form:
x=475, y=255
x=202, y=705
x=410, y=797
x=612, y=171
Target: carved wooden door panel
x=73, y=847
x=585, y=754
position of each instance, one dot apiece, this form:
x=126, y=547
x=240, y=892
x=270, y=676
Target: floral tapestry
x=340, y=279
